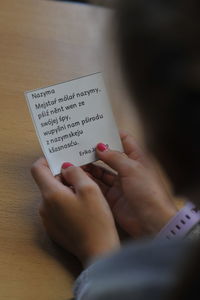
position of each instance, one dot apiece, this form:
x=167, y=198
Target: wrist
x=166, y=214
x=155, y=222
x=97, y=249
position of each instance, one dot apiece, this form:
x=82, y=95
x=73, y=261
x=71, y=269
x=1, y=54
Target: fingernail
x=66, y=165
x=102, y=147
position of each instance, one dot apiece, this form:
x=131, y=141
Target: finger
x=76, y=177
x=44, y=177
x=103, y=187
x=123, y=133
x=86, y=167
x=58, y=177
x=102, y=174
x=115, y=159
x=131, y=147
x=93, y=172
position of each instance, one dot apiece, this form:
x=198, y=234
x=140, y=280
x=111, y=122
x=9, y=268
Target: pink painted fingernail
x=102, y=147
x=66, y=165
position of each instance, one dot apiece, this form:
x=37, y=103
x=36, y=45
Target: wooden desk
x=42, y=42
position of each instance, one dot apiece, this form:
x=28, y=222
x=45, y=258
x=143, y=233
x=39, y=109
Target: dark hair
x=160, y=50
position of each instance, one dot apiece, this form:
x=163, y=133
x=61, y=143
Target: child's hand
x=137, y=197
x=75, y=212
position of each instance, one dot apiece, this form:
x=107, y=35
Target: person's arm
x=77, y=216
x=139, y=200
x=194, y=234
x=139, y=271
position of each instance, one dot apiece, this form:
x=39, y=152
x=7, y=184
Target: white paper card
x=71, y=118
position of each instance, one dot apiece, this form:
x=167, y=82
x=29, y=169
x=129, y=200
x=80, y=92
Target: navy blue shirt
x=139, y=271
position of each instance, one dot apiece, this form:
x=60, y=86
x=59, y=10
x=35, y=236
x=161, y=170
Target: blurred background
x=108, y=3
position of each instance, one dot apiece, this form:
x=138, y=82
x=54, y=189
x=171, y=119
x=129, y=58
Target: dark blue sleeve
x=140, y=271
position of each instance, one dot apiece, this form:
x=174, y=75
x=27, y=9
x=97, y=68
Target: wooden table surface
x=42, y=42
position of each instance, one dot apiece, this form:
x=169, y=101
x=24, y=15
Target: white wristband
x=180, y=224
